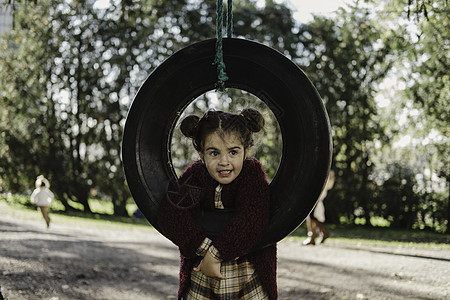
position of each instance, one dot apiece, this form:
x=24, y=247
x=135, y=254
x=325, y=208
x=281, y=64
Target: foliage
x=68, y=71
x=423, y=7
x=346, y=58
x=418, y=92
x=349, y=59
x=403, y=205
x=72, y=115
x=429, y=81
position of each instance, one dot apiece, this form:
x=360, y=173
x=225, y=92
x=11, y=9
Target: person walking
x=314, y=221
x=43, y=197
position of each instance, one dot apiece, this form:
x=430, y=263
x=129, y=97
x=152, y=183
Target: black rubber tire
x=255, y=68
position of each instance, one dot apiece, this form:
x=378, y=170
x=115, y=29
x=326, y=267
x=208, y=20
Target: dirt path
x=81, y=260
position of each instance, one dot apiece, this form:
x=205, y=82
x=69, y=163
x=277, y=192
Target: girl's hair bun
x=253, y=119
x=189, y=126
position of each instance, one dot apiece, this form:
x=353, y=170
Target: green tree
x=68, y=73
x=431, y=80
x=25, y=114
x=422, y=8
x=428, y=89
x=403, y=205
x=346, y=58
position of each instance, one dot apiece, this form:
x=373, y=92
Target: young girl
x=43, y=197
x=218, y=210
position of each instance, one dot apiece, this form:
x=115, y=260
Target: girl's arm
x=252, y=214
x=175, y=216
x=33, y=196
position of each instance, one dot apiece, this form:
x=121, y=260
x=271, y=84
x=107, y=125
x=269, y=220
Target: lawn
x=344, y=234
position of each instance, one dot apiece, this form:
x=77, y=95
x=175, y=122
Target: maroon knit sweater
x=248, y=194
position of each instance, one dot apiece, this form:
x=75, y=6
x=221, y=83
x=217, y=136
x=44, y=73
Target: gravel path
x=85, y=260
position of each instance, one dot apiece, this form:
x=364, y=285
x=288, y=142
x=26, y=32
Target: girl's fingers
x=196, y=269
x=219, y=276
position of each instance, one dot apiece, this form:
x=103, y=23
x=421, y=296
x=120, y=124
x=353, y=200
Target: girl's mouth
x=224, y=173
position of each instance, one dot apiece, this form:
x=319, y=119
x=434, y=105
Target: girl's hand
x=210, y=267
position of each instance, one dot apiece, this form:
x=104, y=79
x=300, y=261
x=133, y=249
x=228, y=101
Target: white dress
x=42, y=196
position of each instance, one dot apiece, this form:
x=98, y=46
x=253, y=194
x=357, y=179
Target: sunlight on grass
x=19, y=206
x=379, y=222
x=97, y=206
x=374, y=221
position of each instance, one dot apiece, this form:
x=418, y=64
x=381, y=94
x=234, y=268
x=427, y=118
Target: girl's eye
x=214, y=153
x=233, y=152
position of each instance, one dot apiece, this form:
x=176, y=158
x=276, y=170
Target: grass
x=379, y=236
x=344, y=234
x=102, y=211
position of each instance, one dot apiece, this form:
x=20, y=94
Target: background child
x=314, y=222
x=218, y=210
x=43, y=197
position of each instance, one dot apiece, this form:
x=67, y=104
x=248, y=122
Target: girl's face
x=223, y=156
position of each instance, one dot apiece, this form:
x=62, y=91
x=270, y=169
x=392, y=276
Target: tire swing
x=257, y=69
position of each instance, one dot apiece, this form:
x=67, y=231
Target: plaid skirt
x=242, y=283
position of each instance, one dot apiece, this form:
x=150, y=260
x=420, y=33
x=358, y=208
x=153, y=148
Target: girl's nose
x=224, y=160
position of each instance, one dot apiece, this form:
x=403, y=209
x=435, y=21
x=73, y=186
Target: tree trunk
x=84, y=201
x=447, y=231
x=120, y=208
x=67, y=206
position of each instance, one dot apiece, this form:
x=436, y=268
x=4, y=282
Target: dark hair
x=243, y=124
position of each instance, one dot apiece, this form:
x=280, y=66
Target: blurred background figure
x=314, y=222
x=42, y=197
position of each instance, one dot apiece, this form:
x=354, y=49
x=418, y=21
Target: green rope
x=229, y=18
x=222, y=76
